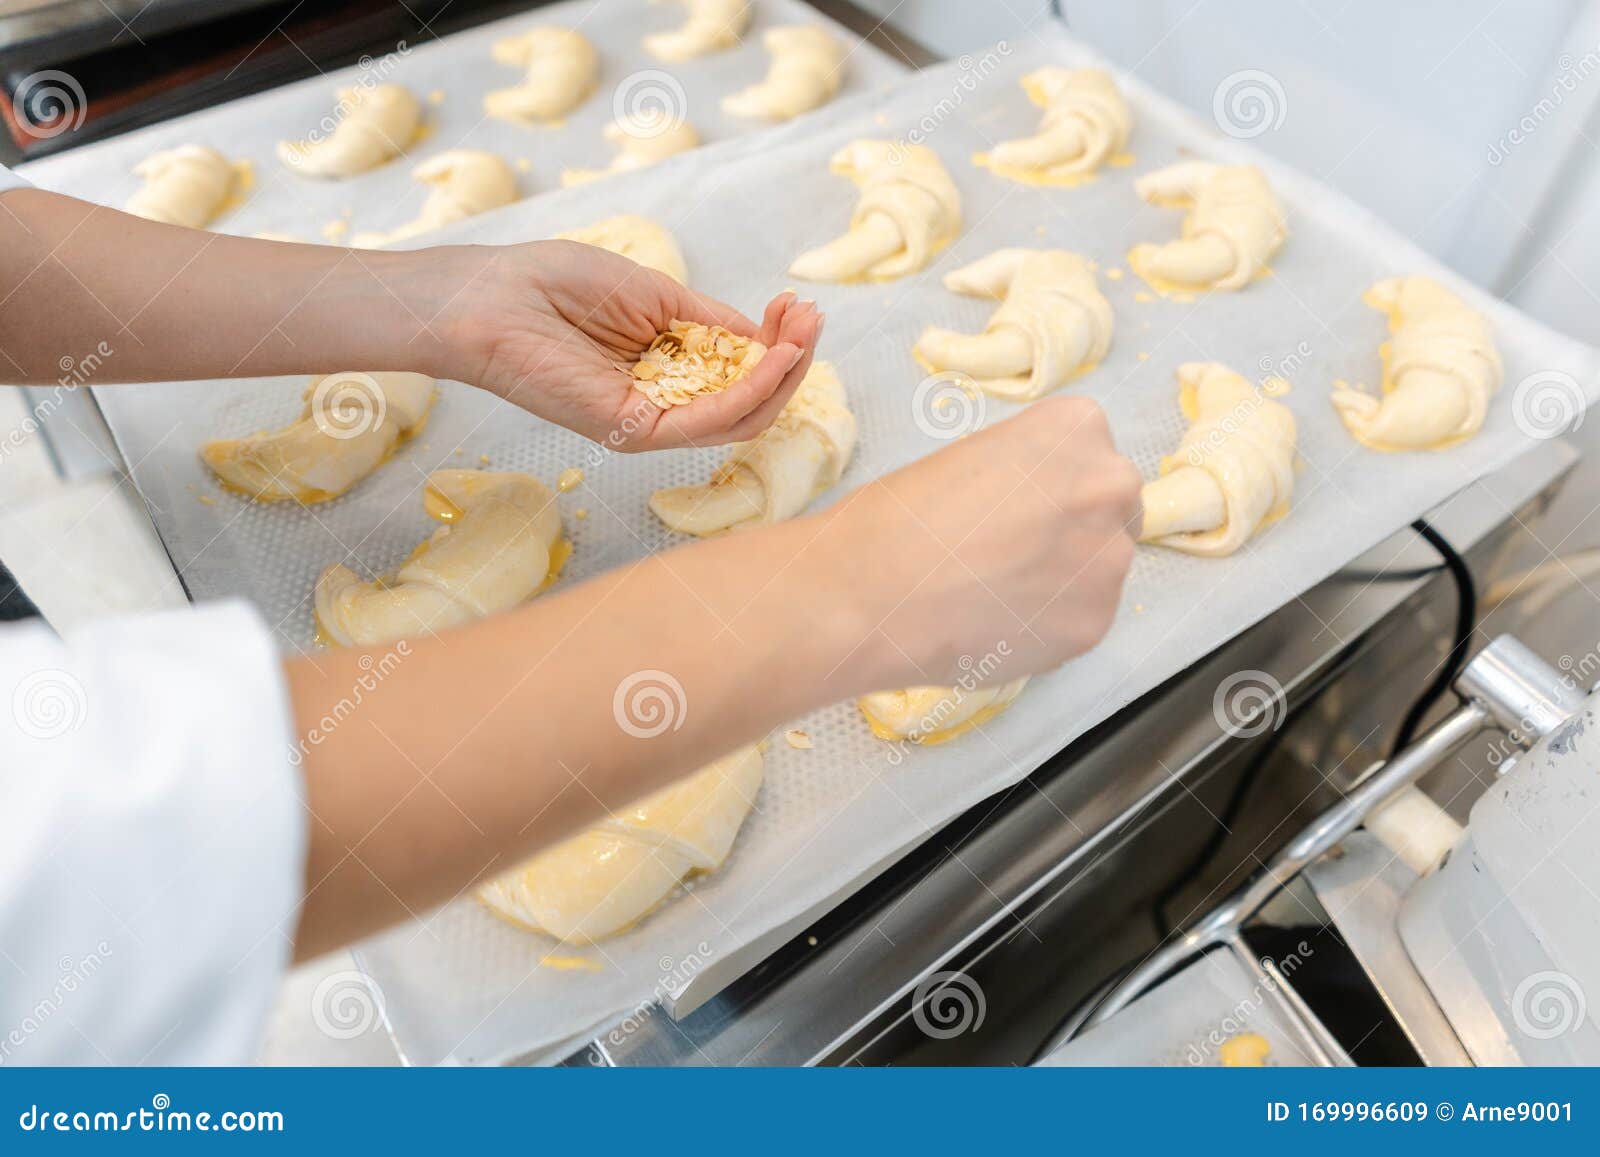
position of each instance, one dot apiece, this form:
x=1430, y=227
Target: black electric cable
x=1466, y=615
x=1466, y=621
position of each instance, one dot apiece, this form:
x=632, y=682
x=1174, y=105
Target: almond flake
x=690, y=359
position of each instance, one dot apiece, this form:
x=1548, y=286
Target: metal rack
x=1505, y=686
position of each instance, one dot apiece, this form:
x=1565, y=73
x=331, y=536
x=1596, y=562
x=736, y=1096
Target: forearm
x=182, y=304
x=487, y=743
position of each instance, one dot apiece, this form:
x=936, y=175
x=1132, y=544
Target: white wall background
x=1408, y=107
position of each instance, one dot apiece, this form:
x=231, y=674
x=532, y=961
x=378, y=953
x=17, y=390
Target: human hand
x=1016, y=539
x=555, y=325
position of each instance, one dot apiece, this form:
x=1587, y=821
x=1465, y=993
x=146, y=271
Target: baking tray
x=450, y=75
x=461, y=987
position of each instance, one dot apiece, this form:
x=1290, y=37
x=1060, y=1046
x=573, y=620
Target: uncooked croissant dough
x=609, y=876
x=807, y=65
x=711, y=25
x=188, y=186
x=638, y=239
x=1232, y=473
x=1440, y=367
x=1052, y=323
x=464, y=183
x=930, y=715
x=561, y=68
x=641, y=141
x=372, y=124
x=1085, y=125
x=1233, y=226
x=351, y=424
x=776, y=474
x=499, y=546
x=908, y=211
x=691, y=359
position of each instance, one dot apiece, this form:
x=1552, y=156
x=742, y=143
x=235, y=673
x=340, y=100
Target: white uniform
x=152, y=837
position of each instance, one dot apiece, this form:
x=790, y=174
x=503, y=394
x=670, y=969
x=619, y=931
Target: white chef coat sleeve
x=152, y=839
x=9, y=180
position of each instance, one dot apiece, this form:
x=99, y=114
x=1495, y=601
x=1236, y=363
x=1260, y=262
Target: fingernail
x=794, y=361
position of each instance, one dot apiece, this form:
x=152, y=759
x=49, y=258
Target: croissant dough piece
x=1440, y=368
x=561, y=69
x=929, y=715
x=1052, y=323
x=1232, y=473
x=609, y=876
x=498, y=547
x=463, y=182
x=638, y=239
x=373, y=125
x=776, y=474
x=641, y=142
x=807, y=66
x=351, y=424
x=1233, y=226
x=187, y=186
x=1085, y=124
x=712, y=25
x=908, y=211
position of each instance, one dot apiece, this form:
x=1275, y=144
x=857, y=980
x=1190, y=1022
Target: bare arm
x=492, y=741
x=179, y=304
x=549, y=325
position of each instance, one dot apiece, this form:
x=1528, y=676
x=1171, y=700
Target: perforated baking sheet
x=461, y=986
x=450, y=75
